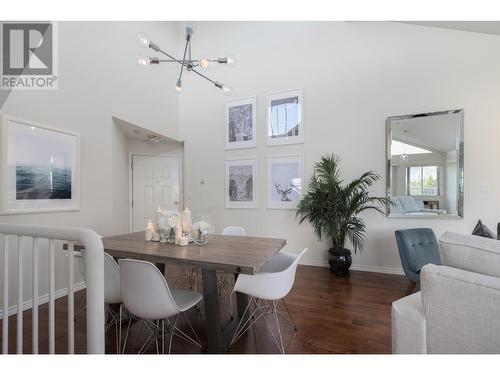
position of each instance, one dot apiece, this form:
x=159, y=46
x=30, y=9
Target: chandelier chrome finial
x=187, y=62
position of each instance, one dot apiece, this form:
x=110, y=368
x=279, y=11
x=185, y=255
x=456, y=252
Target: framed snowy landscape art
x=284, y=181
x=40, y=168
x=241, y=183
x=241, y=123
x=285, y=118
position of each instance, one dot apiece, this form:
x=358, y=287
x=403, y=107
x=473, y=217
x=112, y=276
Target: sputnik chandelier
x=187, y=62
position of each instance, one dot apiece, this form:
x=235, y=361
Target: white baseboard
x=27, y=305
x=357, y=267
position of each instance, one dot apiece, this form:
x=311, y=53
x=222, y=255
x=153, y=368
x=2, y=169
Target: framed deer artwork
x=241, y=123
x=284, y=181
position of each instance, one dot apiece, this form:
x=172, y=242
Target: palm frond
x=333, y=207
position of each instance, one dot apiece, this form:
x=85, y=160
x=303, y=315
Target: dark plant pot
x=340, y=261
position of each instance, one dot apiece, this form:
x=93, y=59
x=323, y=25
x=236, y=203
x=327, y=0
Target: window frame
x=438, y=173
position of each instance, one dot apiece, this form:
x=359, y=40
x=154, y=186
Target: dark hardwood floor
x=333, y=315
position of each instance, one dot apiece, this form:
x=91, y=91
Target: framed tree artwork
x=241, y=123
x=40, y=167
x=241, y=183
x=285, y=118
x=284, y=181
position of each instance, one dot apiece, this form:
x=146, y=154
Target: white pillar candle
x=186, y=220
x=178, y=234
x=158, y=214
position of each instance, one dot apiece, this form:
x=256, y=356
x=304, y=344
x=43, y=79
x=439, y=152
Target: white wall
x=145, y=97
x=98, y=78
x=81, y=104
x=355, y=75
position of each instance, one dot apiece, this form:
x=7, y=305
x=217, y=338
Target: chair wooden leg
x=411, y=287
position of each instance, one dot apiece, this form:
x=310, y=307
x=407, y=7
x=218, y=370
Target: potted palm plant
x=333, y=207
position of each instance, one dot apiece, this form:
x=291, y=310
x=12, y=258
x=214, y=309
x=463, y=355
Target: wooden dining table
x=231, y=254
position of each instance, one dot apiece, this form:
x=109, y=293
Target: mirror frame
x=460, y=167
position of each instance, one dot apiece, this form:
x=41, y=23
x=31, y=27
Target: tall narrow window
x=422, y=180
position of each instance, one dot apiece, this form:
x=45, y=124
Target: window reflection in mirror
x=425, y=165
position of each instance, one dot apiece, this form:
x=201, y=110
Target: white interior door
x=155, y=183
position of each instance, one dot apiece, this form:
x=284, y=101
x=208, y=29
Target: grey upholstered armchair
x=417, y=247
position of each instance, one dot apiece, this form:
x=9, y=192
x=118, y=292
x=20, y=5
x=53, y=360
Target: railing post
x=52, y=327
x=71, y=301
x=94, y=270
x=34, y=313
x=5, y=317
x=20, y=300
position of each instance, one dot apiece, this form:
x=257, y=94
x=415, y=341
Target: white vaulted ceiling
x=485, y=27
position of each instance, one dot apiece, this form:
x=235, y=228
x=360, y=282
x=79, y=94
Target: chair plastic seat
x=185, y=299
x=279, y=262
x=274, y=279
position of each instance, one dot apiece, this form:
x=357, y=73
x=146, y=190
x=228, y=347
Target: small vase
x=340, y=261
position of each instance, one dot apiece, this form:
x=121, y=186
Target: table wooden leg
x=215, y=338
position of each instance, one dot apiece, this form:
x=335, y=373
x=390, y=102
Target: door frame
x=131, y=182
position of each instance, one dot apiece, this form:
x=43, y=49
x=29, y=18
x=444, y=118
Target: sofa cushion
x=482, y=230
x=397, y=208
x=470, y=253
x=420, y=203
x=408, y=325
x=409, y=204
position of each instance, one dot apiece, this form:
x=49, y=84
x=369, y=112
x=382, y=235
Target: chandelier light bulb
x=226, y=90
x=204, y=63
x=231, y=61
x=143, y=39
x=178, y=86
x=143, y=62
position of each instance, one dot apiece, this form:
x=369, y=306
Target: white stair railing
x=94, y=280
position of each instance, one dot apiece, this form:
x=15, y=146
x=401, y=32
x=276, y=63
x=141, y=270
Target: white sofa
x=408, y=205
x=458, y=307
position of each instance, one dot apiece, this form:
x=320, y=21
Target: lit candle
x=186, y=220
x=178, y=234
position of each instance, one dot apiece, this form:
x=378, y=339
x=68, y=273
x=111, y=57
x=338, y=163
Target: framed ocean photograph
x=241, y=183
x=40, y=168
x=241, y=123
x=284, y=181
x=285, y=118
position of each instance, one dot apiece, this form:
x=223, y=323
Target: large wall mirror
x=425, y=165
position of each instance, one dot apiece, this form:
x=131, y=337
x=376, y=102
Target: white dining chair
x=233, y=231
x=147, y=296
x=266, y=289
x=112, y=295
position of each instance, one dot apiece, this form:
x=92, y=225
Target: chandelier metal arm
x=216, y=84
x=186, y=62
x=169, y=56
x=184, y=57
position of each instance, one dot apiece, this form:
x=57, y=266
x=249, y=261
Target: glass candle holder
x=201, y=228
